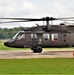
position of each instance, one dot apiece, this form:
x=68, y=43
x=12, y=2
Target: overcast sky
x=35, y=9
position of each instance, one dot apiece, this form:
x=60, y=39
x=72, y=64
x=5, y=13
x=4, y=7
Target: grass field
x=37, y=66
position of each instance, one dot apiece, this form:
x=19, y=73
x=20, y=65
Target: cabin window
x=21, y=36
x=46, y=36
x=54, y=37
x=33, y=35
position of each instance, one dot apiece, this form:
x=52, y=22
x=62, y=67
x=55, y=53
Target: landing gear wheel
x=39, y=49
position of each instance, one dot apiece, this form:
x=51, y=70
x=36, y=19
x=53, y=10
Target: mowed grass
x=37, y=66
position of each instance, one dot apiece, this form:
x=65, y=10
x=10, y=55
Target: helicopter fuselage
x=41, y=36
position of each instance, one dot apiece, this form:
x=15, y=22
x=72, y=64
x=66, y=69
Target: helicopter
x=42, y=36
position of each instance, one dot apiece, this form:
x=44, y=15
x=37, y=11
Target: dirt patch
x=22, y=54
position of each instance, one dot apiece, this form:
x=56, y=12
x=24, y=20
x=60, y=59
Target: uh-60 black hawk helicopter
x=42, y=36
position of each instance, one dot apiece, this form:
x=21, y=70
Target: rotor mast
x=47, y=21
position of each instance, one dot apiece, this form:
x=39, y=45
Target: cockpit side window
x=21, y=36
x=15, y=36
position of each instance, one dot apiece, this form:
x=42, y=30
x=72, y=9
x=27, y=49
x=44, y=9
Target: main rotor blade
x=32, y=19
x=12, y=21
x=39, y=19
x=64, y=18
x=28, y=19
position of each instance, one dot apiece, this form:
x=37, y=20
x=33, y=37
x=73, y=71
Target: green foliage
x=37, y=66
x=6, y=33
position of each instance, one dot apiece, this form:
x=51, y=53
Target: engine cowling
x=55, y=28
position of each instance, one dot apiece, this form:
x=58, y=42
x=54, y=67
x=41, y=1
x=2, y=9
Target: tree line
x=7, y=33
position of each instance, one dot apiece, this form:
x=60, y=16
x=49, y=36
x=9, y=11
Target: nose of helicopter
x=7, y=44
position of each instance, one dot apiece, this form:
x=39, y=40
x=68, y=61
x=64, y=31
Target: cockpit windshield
x=15, y=36
x=18, y=35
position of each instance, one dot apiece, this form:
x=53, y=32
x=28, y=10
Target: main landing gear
x=37, y=49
